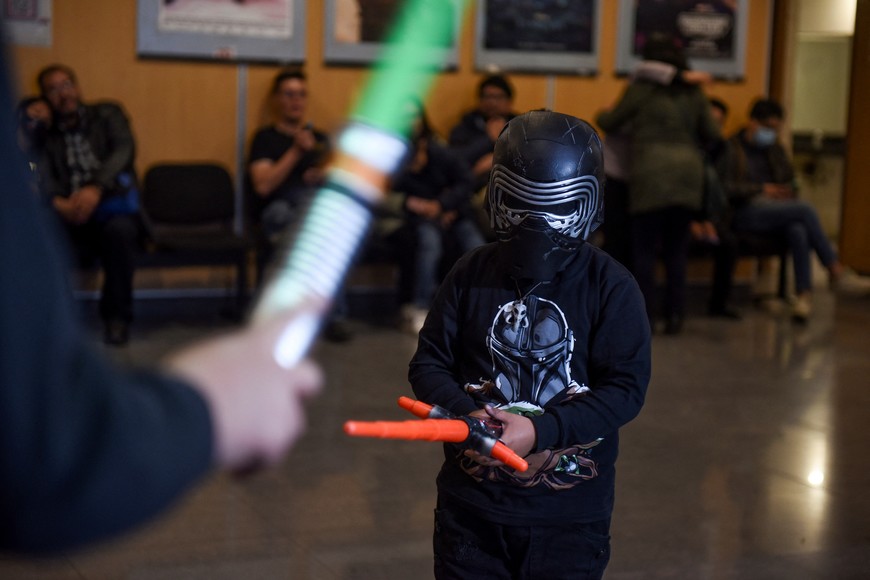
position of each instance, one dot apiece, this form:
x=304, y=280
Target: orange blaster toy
x=438, y=424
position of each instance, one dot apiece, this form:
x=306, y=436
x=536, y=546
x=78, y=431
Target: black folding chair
x=189, y=210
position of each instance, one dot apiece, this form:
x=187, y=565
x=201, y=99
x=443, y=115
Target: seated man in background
x=286, y=161
x=759, y=180
x=285, y=167
x=473, y=138
x=88, y=175
x=438, y=219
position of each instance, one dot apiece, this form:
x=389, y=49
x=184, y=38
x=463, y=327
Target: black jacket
x=107, y=130
x=587, y=331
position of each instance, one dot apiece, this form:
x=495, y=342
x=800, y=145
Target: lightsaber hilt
x=424, y=410
x=315, y=258
x=482, y=435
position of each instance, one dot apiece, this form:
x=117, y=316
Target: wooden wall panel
x=184, y=110
x=855, y=229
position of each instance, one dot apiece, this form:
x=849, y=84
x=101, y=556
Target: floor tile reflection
x=748, y=461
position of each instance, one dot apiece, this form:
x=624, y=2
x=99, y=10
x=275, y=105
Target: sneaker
x=117, y=332
x=412, y=318
x=802, y=308
x=850, y=282
x=770, y=304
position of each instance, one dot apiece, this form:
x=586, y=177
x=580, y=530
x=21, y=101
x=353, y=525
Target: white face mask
x=764, y=137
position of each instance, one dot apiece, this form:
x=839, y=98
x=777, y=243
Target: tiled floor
x=749, y=461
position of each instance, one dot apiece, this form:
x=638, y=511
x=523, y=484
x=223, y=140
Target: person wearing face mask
x=546, y=336
x=759, y=180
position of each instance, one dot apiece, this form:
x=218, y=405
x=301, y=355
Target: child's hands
x=518, y=433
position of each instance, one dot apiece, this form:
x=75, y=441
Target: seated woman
x=438, y=220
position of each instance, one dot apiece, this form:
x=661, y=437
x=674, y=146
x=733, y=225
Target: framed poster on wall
x=26, y=22
x=713, y=33
x=356, y=30
x=546, y=36
x=237, y=30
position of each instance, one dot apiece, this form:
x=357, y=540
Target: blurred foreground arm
x=89, y=450
x=255, y=404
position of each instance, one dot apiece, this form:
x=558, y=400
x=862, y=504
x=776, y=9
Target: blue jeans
x=799, y=223
x=431, y=239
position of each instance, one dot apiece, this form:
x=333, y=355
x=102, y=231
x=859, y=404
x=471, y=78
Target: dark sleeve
x=782, y=166
x=709, y=132
x=121, y=146
x=261, y=147
x=731, y=168
x=460, y=181
x=433, y=371
x=624, y=111
x=86, y=449
x=619, y=373
x=53, y=155
x=470, y=143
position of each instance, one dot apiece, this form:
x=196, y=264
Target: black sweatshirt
x=574, y=355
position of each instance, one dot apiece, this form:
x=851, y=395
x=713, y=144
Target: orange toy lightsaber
x=466, y=431
x=450, y=430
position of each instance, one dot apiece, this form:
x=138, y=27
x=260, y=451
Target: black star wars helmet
x=544, y=196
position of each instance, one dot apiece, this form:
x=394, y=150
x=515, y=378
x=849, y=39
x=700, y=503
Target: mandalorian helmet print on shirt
x=531, y=347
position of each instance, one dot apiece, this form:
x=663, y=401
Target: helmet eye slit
x=564, y=205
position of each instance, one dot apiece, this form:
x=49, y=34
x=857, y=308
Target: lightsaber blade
x=315, y=258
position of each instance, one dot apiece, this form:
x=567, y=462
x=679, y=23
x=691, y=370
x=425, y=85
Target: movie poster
x=706, y=30
x=26, y=22
x=357, y=30
x=540, y=25
x=266, y=19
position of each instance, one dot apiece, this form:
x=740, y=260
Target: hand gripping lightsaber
x=438, y=424
x=315, y=258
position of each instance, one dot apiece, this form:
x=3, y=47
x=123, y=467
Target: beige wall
x=187, y=110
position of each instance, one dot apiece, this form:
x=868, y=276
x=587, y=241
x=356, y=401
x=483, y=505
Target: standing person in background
x=88, y=450
x=88, y=175
x=617, y=160
x=760, y=182
x=667, y=124
x=473, y=139
x=285, y=168
x=438, y=217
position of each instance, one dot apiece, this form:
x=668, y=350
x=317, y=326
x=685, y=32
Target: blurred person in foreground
x=89, y=450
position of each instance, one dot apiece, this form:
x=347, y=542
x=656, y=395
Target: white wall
x=830, y=17
x=821, y=84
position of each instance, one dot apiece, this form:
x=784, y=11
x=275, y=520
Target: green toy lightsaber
x=315, y=258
